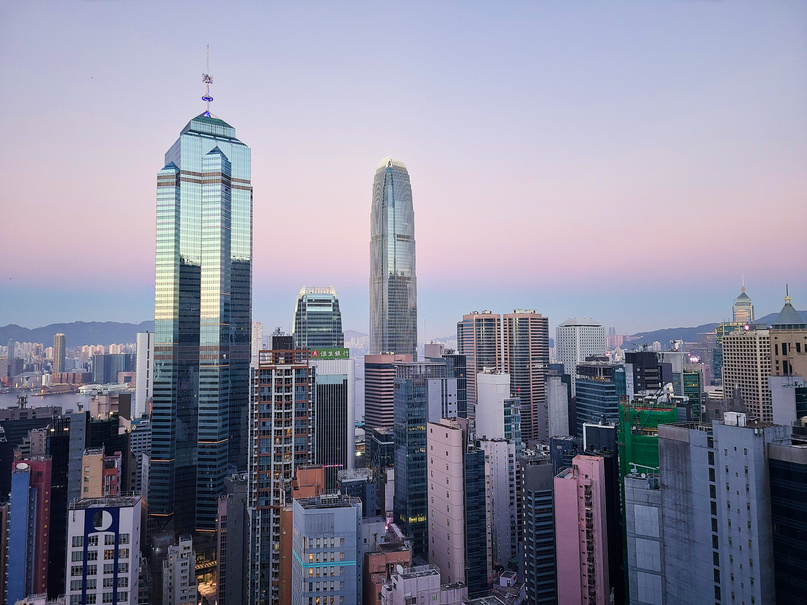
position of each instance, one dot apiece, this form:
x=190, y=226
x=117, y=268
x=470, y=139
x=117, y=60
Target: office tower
x=787, y=464
x=597, y=393
x=537, y=562
x=202, y=323
x=317, y=319
x=526, y=359
x=59, y=343
x=456, y=367
x=502, y=500
x=380, y=446
x=101, y=477
x=557, y=397
x=144, y=385
x=327, y=547
x=788, y=335
x=498, y=414
x=379, y=379
x=335, y=416
x=141, y=449
x=581, y=536
x=578, y=339
x=421, y=584
x=103, y=538
x=649, y=374
x=746, y=368
x=479, y=338
x=420, y=390
x=788, y=398
x=639, y=420
x=106, y=366
x=742, y=310
x=694, y=389
x=645, y=538
x=722, y=330
x=717, y=532
x=256, y=340
x=281, y=440
x=676, y=361
x=179, y=574
x=393, y=282
x=359, y=483
x=562, y=451
x=457, y=543
x=28, y=528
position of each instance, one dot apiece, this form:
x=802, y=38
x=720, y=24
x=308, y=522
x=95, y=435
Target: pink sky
x=626, y=161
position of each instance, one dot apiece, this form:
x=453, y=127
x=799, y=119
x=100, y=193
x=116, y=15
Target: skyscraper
x=577, y=339
x=202, y=323
x=526, y=359
x=58, y=353
x=393, y=285
x=479, y=338
x=317, y=319
x=742, y=310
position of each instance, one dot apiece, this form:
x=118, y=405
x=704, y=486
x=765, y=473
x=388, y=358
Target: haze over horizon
x=627, y=162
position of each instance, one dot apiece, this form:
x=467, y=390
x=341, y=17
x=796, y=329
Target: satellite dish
x=399, y=569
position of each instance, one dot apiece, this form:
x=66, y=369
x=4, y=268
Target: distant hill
x=78, y=333
x=665, y=335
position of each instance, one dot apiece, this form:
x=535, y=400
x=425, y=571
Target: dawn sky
x=626, y=161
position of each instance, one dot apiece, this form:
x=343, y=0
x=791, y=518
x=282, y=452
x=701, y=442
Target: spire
x=208, y=80
x=787, y=294
x=742, y=277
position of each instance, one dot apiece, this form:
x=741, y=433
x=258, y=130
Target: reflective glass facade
x=317, y=319
x=202, y=323
x=393, y=287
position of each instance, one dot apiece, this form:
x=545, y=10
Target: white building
x=421, y=585
x=557, y=401
x=179, y=574
x=576, y=340
x=746, y=368
x=497, y=412
x=103, y=550
x=500, y=469
x=256, y=341
x=144, y=378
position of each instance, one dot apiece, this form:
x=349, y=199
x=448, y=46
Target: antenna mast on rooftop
x=208, y=80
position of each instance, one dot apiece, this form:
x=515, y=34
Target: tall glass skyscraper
x=317, y=319
x=202, y=313
x=393, y=285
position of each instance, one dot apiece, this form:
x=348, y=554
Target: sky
x=627, y=161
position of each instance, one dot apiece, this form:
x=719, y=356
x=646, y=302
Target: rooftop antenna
x=743, y=280
x=208, y=80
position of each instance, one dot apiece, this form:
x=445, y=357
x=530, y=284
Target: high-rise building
x=597, y=393
x=103, y=542
x=393, y=282
x=498, y=414
x=742, y=310
x=645, y=538
x=256, y=340
x=503, y=500
x=281, y=436
x=421, y=389
x=576, y=340
x=317, y=319
x=334, y=416
x=537, y=562
x=722, y=330
x=479, y=338
x=746, y=368
x=202, y=323
x=179, y=574
x=379, y=379
x=788, y=334
x=457, y=543
x=327, y=550
x=526, y=358
x=232, y=546
x=28, y=528
x=59, y=343
x=144, y=379
x=581, y=534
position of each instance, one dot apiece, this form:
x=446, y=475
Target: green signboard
x=333, y=353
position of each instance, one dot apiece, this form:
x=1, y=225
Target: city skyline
x=619, y=123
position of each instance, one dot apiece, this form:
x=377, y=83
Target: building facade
x=317, y=319
x=746, y=368
x=59, y=344
x=202, y=323
x=479, y=338
x=393, y=282
x=379, y=392
x=144, y=379
x=577, y=339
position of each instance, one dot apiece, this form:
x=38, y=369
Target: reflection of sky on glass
x=624, y=161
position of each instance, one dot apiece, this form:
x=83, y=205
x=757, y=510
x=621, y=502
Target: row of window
x=109, y=539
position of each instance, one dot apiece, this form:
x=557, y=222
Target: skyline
x=602, y=115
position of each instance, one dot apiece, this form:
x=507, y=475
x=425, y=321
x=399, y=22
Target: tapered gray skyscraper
x=393, y=285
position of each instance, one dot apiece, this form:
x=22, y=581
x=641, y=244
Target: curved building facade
x=393, y=285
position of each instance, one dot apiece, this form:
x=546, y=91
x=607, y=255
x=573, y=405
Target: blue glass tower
x=393, y=285
x=202, y=313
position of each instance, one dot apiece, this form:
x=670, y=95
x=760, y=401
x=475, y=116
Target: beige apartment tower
x=746, y=367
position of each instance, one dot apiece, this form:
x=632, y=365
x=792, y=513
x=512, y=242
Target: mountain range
x=80, y=333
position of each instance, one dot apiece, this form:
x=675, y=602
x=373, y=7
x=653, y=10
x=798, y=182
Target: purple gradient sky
x=621, y=160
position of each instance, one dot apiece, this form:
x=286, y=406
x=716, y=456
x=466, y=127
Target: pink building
x=580, y=533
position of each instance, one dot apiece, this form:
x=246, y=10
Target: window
x=78, y=541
